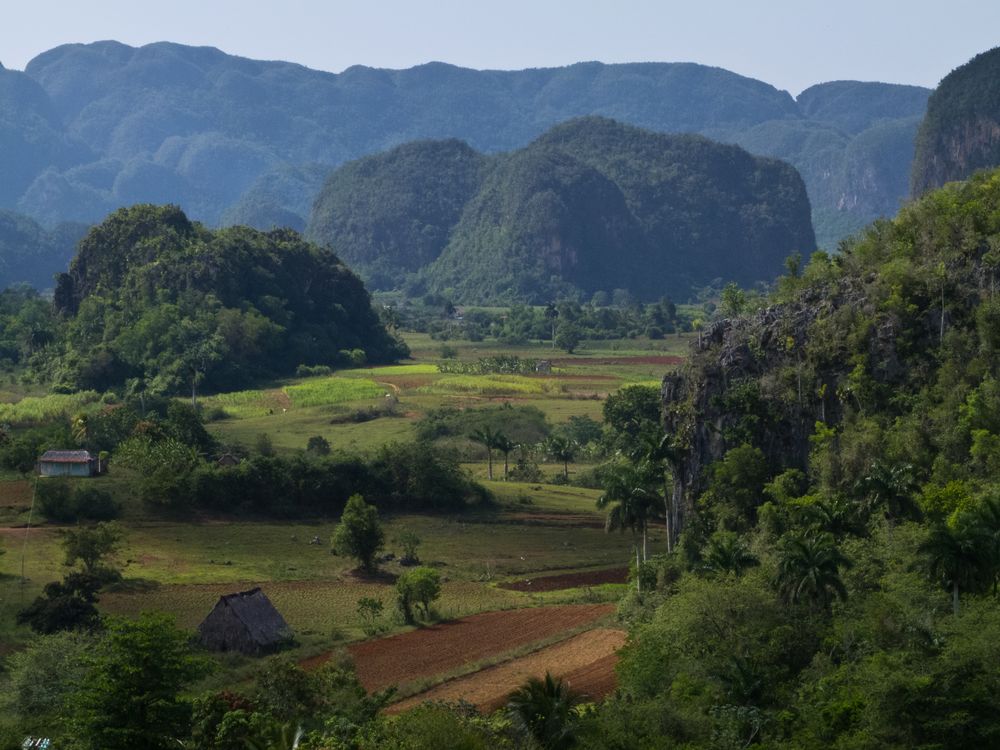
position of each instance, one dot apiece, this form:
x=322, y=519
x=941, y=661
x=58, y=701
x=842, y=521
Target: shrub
x=418, y=586
x=310, y=371
x=59, y=501
x=55, y=499
x=318, y=445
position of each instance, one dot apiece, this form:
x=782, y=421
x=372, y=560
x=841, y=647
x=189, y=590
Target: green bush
x=59, y=500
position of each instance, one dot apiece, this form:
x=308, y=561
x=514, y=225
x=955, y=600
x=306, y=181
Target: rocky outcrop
x=767, y=380
x=961, y=132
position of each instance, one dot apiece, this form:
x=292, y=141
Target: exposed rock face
x=767, y=380
x=961, y=131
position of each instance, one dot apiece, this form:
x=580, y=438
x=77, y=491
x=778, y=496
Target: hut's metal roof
x=67, y=457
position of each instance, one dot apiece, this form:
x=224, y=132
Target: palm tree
x=987, y=518
x=727, y=553
x=958, y=558
x=561, y=449
x=487, y=437
x=552, y=313
x=277, y=737
x=80, y=428
x=809, y=569
x=626, y=489
x=891, y=488
x=835, y=515
x=505, y=445
x=544, y=711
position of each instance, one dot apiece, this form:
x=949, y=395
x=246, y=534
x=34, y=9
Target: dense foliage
x=959, y=133
x=157, y=301
x=592, y=205
x=90, y=127
x=391, y=214
x=834, y=581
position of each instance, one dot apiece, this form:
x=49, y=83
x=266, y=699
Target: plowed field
x=569, y=580
x=586, y=661
x=447, y=646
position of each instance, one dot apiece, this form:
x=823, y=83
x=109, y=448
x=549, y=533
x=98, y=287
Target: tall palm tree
x=80, y=428
x=543, y=710
x=727, y=553
x=987, y=517
x=627, y=491
x=505, y=445
x=890, y=488
x=809, y=569
x=835, y=515
x=653, y=453
x=488, y=438
x=958, y=558
x=562, y=449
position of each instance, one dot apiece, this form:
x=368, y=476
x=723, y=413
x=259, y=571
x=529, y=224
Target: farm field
x=533, y=569
x=447, y=646
x=585, y=661
x=335, y=405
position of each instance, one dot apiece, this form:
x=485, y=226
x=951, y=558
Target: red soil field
x=447, y=646
x=569, y=580
x=586, y=661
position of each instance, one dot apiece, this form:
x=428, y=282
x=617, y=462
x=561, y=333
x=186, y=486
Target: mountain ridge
x=149, y=123
x=590, y=205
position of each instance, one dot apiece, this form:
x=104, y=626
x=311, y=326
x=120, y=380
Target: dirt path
x=448, y=646
x=586, y=661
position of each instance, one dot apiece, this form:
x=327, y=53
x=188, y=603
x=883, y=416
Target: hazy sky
x=789, y=43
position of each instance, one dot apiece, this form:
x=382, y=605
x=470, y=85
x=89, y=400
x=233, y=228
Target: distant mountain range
x=591, y=205
x=87, y=128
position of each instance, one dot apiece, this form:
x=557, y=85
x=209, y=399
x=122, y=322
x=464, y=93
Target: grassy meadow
x=183, y=565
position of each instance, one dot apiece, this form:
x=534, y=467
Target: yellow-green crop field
x=39, y=408
x=304, y=407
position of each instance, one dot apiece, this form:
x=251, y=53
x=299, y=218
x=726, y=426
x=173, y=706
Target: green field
x=304, y=407
x=183, y=565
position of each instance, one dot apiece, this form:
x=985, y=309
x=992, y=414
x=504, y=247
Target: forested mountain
x=89, y=128
x=887, y=351
x=591, y=205
x=156, y=299
x=961, y=132
x=391, y=214
x=29, y=253
x=834, y=460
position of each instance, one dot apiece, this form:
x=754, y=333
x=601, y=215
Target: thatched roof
x=245, y=621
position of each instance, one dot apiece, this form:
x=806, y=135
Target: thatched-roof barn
x=246, y=622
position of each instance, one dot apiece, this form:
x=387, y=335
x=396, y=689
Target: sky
x=791, y=44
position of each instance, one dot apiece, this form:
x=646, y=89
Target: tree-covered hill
x=29, y=253
x=169, y=305
x=591, y=205
x=961, y=132
x=887, y=352
x=392, y=213
x=91, y=127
